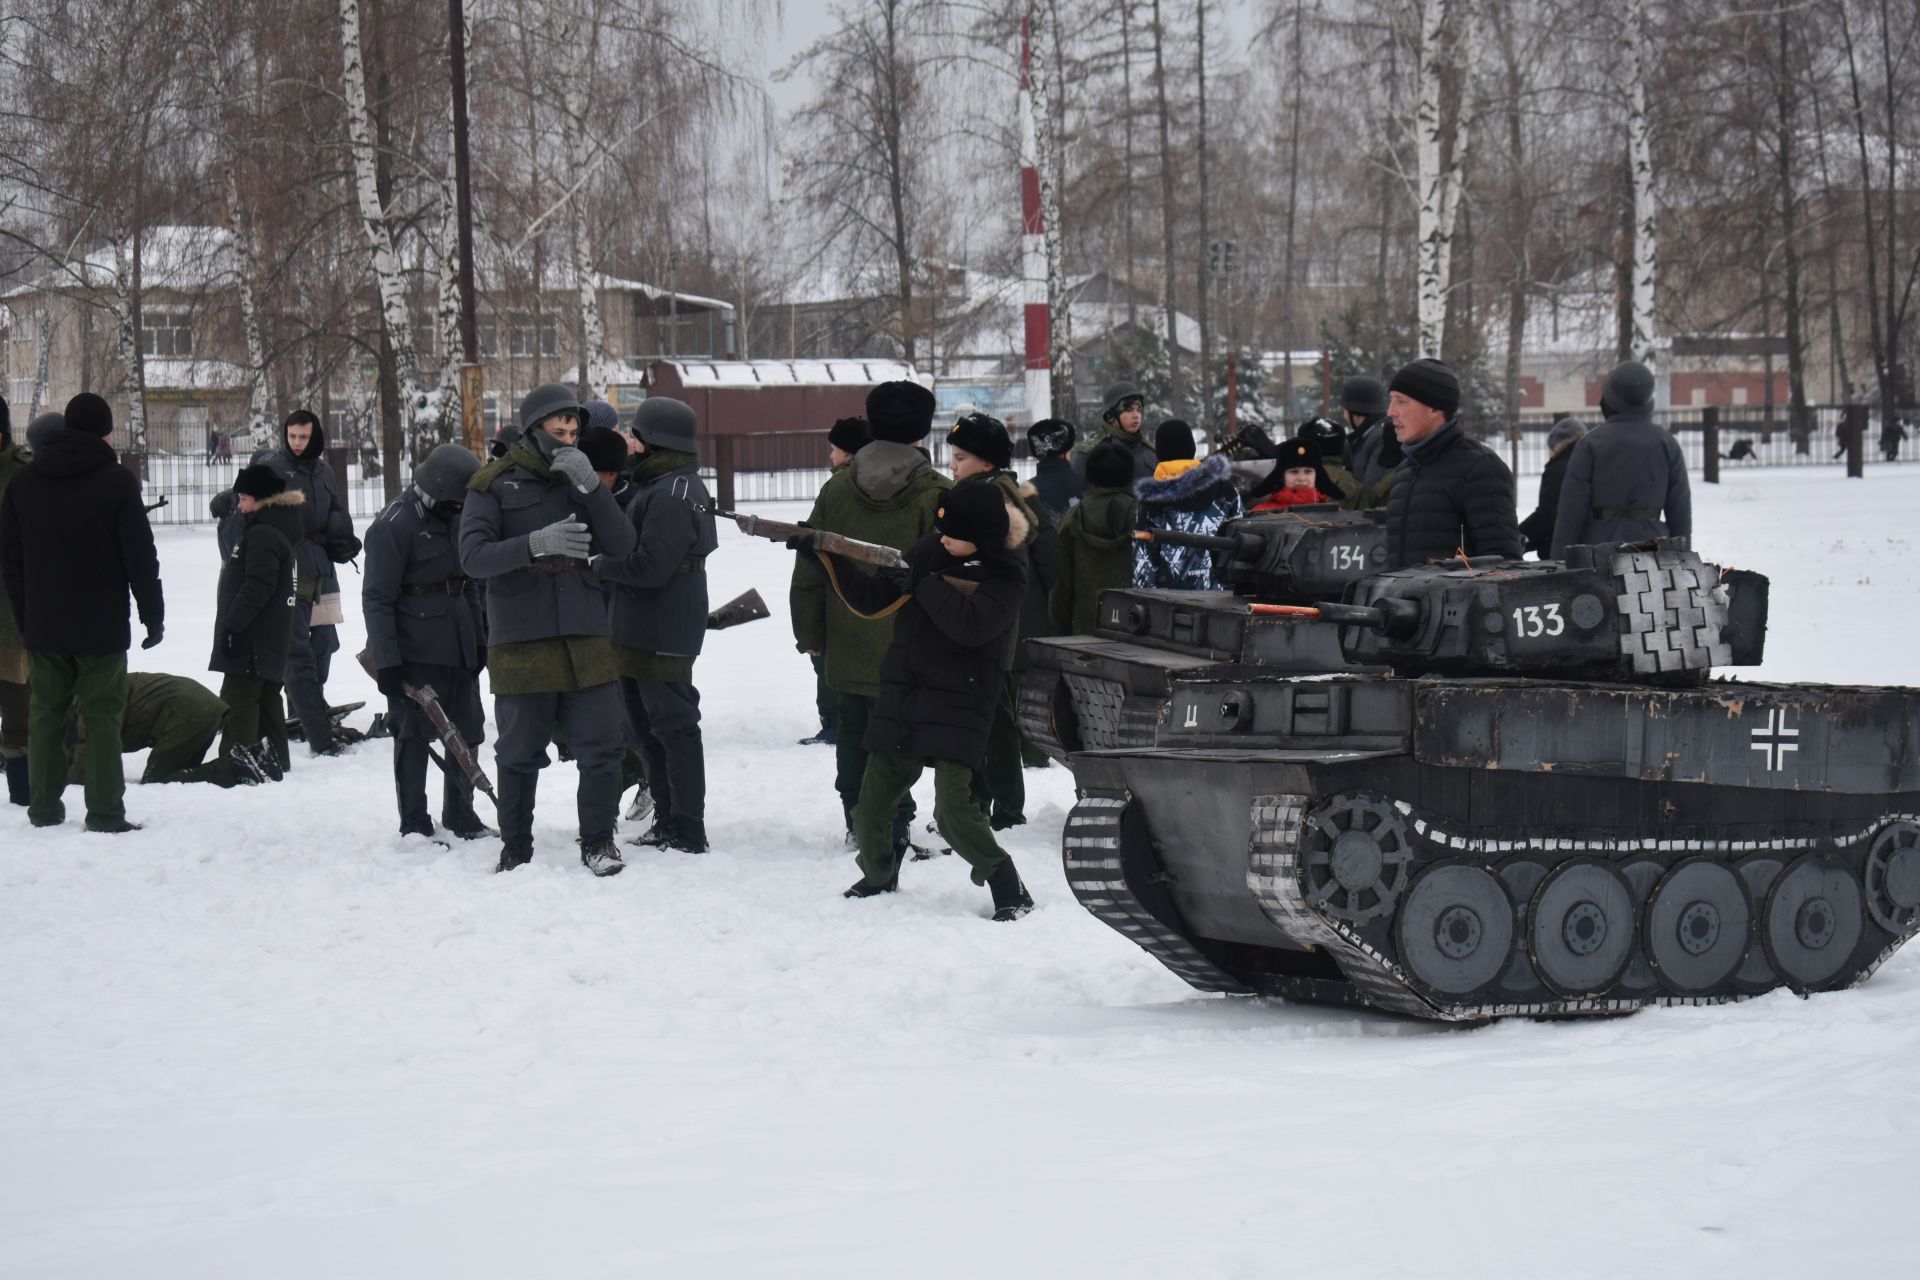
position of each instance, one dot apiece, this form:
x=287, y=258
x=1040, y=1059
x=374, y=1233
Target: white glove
x=569, y=538
x=573, y=464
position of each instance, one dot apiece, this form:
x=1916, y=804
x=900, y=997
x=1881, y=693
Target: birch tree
x=396, y=320
x=1641, y=175
x=1441, y=156
x=1045, y=66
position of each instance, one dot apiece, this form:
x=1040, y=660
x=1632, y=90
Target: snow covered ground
x=266, y=1037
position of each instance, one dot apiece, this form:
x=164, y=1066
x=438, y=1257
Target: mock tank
x=1477, y=788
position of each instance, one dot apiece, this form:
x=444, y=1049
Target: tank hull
x=1494, y=847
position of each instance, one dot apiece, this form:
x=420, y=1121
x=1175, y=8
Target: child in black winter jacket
x=954, y=606
x=253, y=619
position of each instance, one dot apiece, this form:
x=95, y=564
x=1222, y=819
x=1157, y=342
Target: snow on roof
x=183, y=258
x=792, y=373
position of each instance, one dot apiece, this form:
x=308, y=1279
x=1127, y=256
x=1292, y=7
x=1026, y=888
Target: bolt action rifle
x=458, y=751
x=876, y=554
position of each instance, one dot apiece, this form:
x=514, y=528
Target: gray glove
x=573, y=464
x=568, y=538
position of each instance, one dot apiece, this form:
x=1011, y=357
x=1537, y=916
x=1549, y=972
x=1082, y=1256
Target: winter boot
x=115, y=827
x=642, y=805
x=417, y=826
x=511, y=858
x=17, y=781
x=467, y=827
x=262, y=753
x=1010, y=897
x=861, y=889
x=247, y=771
x=689, y=836
x=601, y=858
x=827, y=737
x=658, y=834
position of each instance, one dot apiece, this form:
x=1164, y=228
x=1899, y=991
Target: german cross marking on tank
x=1775, y=739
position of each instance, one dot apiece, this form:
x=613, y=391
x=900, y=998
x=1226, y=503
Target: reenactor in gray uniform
x=660, y=618
x=533, y=521
x=424, y=629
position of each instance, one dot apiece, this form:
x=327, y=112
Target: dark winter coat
x=1622, y=476
x=660, y=587
x=1136, y=443
x=506, y=503
x=253, y=611
x=74, y=540
x=420, y=606
x=1057, y=485
x=326, y=530
x=1096, y=554
x=1537, y=528
x=1197, y=500
x=940, y=678
x=887, y=494
x=13, y=459
x=1457, y=495
x=1042, y=546
x=1373, y=453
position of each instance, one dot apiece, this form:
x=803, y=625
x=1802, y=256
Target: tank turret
x=1297, y=555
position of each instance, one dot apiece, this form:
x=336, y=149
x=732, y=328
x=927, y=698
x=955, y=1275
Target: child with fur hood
x=1186, y=495
x=253, y=616
x=953, y=608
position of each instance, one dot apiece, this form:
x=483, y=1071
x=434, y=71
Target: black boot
x=17, y=781
x=689, y=835
x=511, y=858
x=1010, y=897
x=269, y=762
x=861, y=889
x=658, y=834
x=601, y=858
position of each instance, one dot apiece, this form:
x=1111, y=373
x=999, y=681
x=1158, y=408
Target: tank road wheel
x=1581, y=928
x=1455, y=929
x=1893, y=878
x=1698, y=925
x=1355, y=857
x=1813, y=921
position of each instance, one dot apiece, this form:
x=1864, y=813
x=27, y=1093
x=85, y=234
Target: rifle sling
x=826, y=562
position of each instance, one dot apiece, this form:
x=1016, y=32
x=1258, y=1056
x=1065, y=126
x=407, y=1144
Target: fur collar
x=1213, y=470
x=285, y=498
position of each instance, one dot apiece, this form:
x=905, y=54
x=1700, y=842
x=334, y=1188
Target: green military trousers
x=92, y=687
x=889, y=780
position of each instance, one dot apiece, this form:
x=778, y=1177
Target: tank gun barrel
x=1244, y=546
x=1394, y=616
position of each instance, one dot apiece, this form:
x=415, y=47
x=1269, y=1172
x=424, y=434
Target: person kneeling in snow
x=957, y=601
x=1303, y=481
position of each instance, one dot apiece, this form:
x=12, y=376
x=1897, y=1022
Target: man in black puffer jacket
x=956, y=604
x=74, y=540
x=254, y=615
x=1457, y=495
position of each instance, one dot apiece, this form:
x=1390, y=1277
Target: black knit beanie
x=984, y=437
x=1173, y=440
x=1110, y=465
x=89, y=413
x=849, y=434
x=1431, y=383
x=973, y=513
x=606, y=449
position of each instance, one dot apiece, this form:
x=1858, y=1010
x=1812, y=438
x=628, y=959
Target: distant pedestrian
x=1626, y=479
x=213, y=446
x=1186, y=495
x=1891, y=436
x=1537, y=528
x=1456, y=497
x=74, y=542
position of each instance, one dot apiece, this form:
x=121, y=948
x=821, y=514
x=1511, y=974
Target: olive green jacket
x=1096, y=554
x=887, y=494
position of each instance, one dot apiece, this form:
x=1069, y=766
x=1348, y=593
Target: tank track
x=1800, y=895
x=1095, y=873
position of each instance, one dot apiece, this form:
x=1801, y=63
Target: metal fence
x=790, y=466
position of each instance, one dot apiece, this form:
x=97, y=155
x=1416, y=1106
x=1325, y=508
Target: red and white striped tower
x=1033, y=255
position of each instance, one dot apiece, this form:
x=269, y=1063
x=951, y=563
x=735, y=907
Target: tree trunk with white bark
x=245, y=272
x=1640, y=172
x=1044, y=77
x=133, y=382
x=396, y=321
x=1440, y=158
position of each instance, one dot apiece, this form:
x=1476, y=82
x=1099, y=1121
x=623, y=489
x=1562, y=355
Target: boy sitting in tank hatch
x=954, y=606
x=1303, y=480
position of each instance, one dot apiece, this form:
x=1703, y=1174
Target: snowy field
x=266, y=1037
